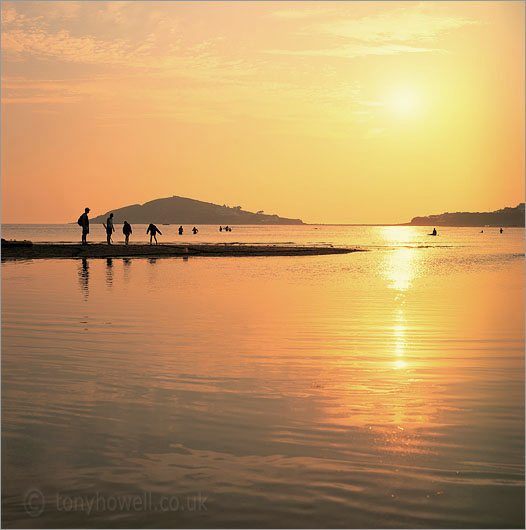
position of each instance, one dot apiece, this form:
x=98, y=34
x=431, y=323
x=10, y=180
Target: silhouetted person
x=153, y=231
x=181, y=230
x=109, y=228
x=220, y=228
x=83, y=221
x=126, y=230
x=482, y=231
x=434, y=232
x=228, y=229
x=194, y=230
x=501, y=230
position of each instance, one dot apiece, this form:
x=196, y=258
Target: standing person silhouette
x=181, y=230
x=126, y=230
x=109, y=228
x=83, y=221
x=153, y=231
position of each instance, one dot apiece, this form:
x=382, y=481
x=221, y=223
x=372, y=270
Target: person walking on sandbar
x=83, y=221
x=153, y=231
x=126, y=230
x=109, y=228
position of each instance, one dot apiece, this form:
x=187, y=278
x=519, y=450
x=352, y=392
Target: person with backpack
x=126, y=230
x=83, y=221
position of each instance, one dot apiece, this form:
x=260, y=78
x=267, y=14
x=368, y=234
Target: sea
x=376, y=389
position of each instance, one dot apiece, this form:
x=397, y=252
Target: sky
x=332, y=112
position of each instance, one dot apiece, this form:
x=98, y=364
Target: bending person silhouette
x=194, y=230
x=126, y=230
x=109, y=228
x=83, y=221
x=153, y=231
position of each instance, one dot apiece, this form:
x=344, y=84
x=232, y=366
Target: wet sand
x=99, y=250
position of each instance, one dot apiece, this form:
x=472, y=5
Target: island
x=181, y=210
x=506, y=217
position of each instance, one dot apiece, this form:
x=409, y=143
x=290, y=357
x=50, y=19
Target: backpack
x=80, y=221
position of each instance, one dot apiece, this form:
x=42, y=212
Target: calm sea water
x=374, y=389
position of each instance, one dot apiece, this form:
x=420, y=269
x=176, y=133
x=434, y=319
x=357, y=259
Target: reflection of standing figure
x=83, y=273
x=109, y=272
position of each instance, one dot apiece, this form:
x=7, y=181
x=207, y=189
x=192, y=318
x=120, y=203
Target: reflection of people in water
x=83, y=273
x=109, y=272
x=434, y=232
x=194, y=230
x=153, y=231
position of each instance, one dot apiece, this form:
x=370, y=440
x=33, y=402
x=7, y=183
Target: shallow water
x=375, y=389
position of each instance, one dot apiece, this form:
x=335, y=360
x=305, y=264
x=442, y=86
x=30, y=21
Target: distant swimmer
x=194, y=230
x=126, y=230
x=83, y=221
x=434, y=232
x=482, y=231
x=181, y=230
x=220, y=228
x=153, y=231
x=501, y=230
x=109, y=228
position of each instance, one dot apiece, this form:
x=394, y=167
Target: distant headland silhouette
x=181, y=210
x=505, y=217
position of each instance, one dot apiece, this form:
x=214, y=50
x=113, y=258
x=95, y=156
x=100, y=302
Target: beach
x=14, y=250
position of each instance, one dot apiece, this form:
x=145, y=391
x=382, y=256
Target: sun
x=403, y=101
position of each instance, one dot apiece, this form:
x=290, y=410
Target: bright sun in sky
x=404, y=101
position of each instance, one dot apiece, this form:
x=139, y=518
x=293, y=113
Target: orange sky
x=342, y=112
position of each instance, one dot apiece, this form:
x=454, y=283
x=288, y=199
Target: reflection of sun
x=401, y=268
x=399, y=364
x=401, y=264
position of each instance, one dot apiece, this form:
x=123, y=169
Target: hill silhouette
x=505, y=217
x=180, y=210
